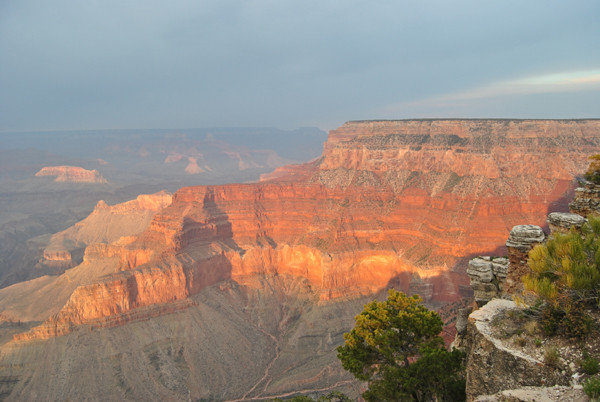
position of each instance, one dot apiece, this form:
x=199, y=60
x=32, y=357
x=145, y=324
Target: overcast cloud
x=285, y=63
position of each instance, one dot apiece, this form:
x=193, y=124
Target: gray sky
x=86, y=64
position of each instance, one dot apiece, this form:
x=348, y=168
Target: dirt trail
x=266, y=375
x=262, y=397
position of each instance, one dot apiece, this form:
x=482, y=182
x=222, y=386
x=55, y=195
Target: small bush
x=593, y=172
x=551, y=357
x=589, y=365
x=335, y=396
x=565, y=276
x=576, y=322
x=551, y=319
x=521, y=341
x=531, y=328
x=538, y=342
x=592, y=387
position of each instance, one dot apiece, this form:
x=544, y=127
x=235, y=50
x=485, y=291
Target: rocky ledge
x=529, y=394
x=494, y=365
x=564, y=221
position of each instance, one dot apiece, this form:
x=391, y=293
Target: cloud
x=150, y=63
x=555, y=83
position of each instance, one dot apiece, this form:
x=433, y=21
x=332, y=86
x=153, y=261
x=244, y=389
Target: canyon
x=270, y=274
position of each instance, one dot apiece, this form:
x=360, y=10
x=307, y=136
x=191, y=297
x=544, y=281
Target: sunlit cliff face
x=390, y=203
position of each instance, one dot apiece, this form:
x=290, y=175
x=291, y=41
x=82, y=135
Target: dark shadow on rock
x=562, y=204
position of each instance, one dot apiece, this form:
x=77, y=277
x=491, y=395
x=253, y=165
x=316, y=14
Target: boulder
x=522, y=238
x=487, y=277
x=562, y=222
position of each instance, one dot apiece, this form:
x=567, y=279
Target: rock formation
x=106, y=224
x=94, y=244
x=73, y=174
x=563, y=222
x=487, y=277
x=521, y=240
x=586, y=201
x=389, y=203
x=495, y=363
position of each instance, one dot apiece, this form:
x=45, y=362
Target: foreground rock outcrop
x=531, y=394
x=504, y=362
x=73, y=174
x=494, y=364
x=487, y=276
x=586, y=200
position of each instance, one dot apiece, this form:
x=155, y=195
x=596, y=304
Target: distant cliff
x=106, y=224
x=72, y=174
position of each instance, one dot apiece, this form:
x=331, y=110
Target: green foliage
x=593, y=172
x=333, y=396
x=589, y=365
x=396, y=347
x=565, y=275
x=592, y=387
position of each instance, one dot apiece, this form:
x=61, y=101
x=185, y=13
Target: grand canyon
x=243, y=291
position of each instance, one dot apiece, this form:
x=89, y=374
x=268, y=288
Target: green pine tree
x=396, y=347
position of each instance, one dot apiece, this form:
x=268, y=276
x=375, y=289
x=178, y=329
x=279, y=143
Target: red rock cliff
x=389, y=203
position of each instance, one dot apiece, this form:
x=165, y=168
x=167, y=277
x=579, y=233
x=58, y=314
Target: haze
x=154, y=64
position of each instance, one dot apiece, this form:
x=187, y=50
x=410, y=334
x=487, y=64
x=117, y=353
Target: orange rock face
x=106, y=224
x=390, y=203
x=72, y=174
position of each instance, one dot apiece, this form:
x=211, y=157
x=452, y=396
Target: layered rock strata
x=106, y=224
x=390, y=203
x=521, y=240
x=586, y=200
x=563, y=222
x=73, y=174
x=487, y=276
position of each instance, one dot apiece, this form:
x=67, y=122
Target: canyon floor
x=229, y=342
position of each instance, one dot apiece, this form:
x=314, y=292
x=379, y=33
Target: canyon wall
x=106, y=224
x=390, y=203
x=244, y=290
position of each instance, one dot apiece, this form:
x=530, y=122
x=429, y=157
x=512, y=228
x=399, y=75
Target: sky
x=109, y=64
